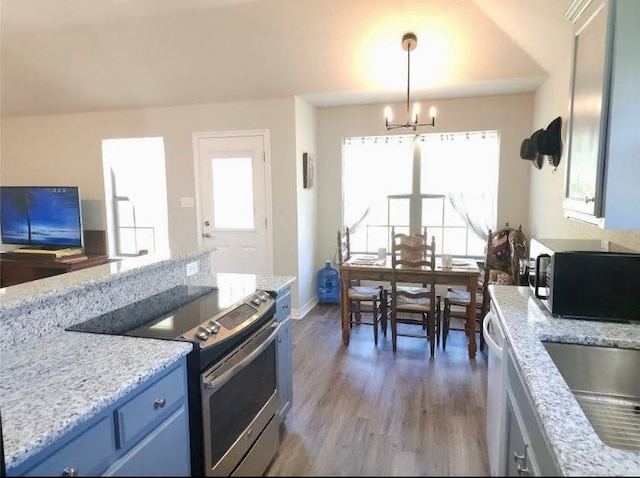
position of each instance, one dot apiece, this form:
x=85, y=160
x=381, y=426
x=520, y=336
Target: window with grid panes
x=410, y=181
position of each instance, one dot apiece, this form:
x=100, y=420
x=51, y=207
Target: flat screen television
x=41, y=217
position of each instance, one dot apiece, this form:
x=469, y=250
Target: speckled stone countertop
x=578, y=449
x=52, y=380
x=245, y=283
x=37, y=308
x=78, y=280
x=50, y=386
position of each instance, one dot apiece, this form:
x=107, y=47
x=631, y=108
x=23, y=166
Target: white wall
x=66, y=150
x=307, y=216
x=510, y=114
x=546, y=216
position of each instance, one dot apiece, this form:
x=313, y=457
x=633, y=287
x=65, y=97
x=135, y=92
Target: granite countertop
x=52, y=380
x=245, y=283
x=53, y=384
x=578, y=449
x=56, y=285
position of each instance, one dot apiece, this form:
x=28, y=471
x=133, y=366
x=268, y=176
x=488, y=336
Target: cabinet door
x=520, y=461
x=588, y=111
x=528, y=452
x=164, y=452
x=284, y=369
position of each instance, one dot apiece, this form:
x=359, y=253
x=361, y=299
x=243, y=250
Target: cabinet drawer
x=150, y=406
x=87, y=453
x=283, y=306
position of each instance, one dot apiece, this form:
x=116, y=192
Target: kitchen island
x=53, y=381
x=575, y=446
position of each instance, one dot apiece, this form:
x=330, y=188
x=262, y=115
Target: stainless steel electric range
x=233, y=394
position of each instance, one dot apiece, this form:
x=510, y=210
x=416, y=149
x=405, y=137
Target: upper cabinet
x=602, y=184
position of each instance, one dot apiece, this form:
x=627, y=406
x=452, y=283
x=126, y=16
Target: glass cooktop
x=166, y=315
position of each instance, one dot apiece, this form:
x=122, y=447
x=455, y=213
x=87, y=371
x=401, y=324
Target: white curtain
x=374, y=167
x=464, y=166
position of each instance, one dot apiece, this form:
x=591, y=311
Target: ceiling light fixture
x=409, y=42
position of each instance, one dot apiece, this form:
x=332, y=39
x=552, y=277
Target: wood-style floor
x=362, y=410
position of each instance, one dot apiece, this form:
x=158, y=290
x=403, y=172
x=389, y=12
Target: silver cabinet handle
x=521, y=461
x=160, y=403
x=588, y=199
x=71, y=471
x=206, y=234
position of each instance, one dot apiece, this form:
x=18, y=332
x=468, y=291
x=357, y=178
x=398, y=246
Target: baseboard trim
x=304, y=310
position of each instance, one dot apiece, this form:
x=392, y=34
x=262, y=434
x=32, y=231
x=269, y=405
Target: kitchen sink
x=606, y=384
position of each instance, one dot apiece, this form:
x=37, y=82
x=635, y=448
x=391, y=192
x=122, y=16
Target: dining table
x=364, y=267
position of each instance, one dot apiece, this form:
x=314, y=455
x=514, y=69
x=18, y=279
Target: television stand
x=41, y=248
x=19, y=267
x=15, y=268
x=50, y=252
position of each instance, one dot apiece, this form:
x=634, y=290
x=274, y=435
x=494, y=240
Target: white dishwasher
x=496, y=392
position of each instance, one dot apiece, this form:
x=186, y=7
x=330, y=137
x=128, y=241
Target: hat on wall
x=529, y=149
x=549, y=143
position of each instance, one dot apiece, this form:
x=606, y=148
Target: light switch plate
x=192, y=268
x=186, y=202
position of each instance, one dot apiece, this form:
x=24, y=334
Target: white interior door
x=233, y=202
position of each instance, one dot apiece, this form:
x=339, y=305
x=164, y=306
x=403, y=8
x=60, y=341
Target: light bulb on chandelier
x=409, y=42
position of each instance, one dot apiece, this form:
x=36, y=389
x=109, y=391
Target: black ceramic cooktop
x=166, y=315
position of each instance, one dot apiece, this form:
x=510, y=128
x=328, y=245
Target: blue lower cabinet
x=149, y=407
x=146, y=433
x=85, y=454
x=164, y=452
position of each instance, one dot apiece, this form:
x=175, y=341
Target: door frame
x=264, y=133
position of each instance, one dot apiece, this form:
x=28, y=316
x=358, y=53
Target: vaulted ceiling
x=65, y=56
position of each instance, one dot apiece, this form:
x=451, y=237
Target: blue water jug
x=328, y=284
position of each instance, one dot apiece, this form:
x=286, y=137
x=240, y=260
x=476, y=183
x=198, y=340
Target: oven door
x=239, y=406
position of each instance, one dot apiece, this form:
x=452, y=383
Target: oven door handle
x=213, y=385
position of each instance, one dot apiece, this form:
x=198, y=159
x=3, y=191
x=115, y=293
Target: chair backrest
x=499, y=254
x=519, y=248
x=344, y=246
x=412, y=250
x=507, y=247
x=503, y=251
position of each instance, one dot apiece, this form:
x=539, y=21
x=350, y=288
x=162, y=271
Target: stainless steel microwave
x=584, y=278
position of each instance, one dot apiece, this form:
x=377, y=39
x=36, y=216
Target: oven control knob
x=215, y=327
x=202, y=334
x=256, y=301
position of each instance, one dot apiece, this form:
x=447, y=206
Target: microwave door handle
x=536, y=284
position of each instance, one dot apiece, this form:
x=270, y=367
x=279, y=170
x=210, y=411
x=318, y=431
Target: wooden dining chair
x=460, y=300
x=413, y=303
x=366, y=303
x=503, y=250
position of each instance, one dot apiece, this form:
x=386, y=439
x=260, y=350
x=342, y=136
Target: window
x=135, y=195
x=232, y=193
x=446, y=182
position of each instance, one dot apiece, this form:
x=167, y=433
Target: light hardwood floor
x=361, y=410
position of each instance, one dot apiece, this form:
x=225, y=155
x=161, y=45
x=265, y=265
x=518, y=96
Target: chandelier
x=409, y=42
